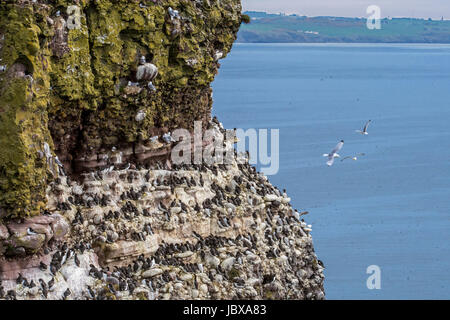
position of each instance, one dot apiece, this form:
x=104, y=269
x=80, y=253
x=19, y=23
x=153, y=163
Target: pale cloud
x=354, y=8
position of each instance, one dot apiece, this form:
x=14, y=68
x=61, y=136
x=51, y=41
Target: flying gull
x=353, y=157
x=333, y=154
x=364, y=130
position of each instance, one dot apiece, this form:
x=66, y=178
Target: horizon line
x=350, y=17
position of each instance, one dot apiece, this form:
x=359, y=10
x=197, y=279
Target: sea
x=380, y=224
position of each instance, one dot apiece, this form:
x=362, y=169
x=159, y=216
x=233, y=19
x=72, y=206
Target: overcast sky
x=354, y=8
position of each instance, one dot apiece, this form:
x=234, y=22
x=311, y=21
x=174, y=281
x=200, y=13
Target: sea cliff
x=91, y=204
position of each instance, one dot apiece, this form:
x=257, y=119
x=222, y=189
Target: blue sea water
x=391, y=208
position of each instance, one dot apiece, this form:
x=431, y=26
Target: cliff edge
x=91, y=204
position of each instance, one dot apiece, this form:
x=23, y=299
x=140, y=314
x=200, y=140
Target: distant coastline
x=281, y=28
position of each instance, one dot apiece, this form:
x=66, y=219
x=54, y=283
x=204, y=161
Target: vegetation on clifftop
x=280, y=28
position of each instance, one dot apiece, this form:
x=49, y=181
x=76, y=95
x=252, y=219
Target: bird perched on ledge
x=167, y=137
x=174, y=14
x=146, y=72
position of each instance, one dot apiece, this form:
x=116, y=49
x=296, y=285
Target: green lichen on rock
x=65, y=83
x=24, y=84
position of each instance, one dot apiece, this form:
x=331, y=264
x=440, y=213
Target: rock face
x=91, y=205
x=232, y=236
x=68, y=80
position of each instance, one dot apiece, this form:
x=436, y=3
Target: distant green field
x=280, y=28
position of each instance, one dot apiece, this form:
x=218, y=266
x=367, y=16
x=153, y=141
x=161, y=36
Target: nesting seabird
x=167, y=137
x=47, y=151
x=60, y=166
x=140, y=115
x=133, y=84
x=108, y=170
x=173, y=13
x=218, y=55
x=66, y=294
x=334, y=153
x=364, y=130
x=146, y=71
x=151, y=86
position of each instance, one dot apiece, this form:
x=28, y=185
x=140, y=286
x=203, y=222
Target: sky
x=434, y=9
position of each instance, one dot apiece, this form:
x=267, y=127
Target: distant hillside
x=294, y=28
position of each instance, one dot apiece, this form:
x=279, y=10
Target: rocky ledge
x=163, y=232
x=91, y=204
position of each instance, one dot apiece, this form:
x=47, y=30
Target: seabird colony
x=207, y=231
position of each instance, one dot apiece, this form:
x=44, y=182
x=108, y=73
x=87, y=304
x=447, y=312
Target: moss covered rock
x=65, y=70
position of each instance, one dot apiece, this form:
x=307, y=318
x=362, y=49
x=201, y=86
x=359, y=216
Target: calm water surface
x=390, y=208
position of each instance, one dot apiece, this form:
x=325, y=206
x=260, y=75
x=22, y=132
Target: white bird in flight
x=334, y=153
x=353, y=157
x=364, y=130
